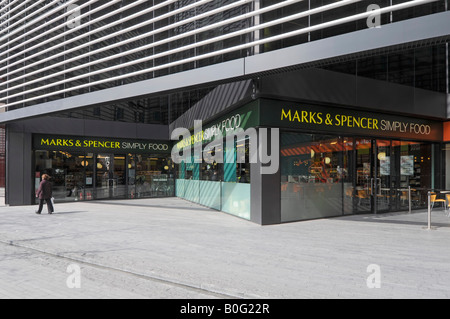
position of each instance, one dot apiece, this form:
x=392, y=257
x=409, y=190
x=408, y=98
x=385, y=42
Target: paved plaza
x=170, y=248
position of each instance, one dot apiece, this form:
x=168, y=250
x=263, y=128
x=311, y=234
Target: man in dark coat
x=44, y=193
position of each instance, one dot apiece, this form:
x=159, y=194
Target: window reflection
x=416, y=166
x=243, y=161
x=324, y=176
x=235, y=165
x=312, y=169
x=211, y=171
x=66, y=170
x=80, y=176
x=153, y=176
x=362, y=192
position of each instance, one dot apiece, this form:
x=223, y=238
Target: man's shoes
x=37, y=213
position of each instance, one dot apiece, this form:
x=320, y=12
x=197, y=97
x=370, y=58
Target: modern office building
x=355, y=92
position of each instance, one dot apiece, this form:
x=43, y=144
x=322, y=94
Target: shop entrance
x=384, y=171
x=110, y=176
x=375, y=186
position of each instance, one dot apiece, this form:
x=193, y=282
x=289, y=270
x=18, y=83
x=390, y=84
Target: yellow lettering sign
x=340, y=120
x=285, y=115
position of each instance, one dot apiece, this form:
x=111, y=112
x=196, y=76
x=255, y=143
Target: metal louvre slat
x=181, y=47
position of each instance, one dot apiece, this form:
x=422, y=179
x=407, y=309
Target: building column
x=265, y=192
x=19, y=175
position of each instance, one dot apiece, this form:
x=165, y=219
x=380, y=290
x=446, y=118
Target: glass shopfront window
x=312, y=172
x=88, y=176
x=103, y=176
x=67, y=172
x=110, y=177
x=221, y=186
x=347, y=174
x=386, y=168
x=243, y=161
x=325, y=175
x=446, y=156
x=416, y=170
x=150, y=176
x=362, y=191
x=211, y=171
x=88, y=162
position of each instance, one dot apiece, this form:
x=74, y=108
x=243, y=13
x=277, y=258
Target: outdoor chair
x=434, y=200
x=447, y=196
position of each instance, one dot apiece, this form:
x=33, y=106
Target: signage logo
x=230, y=124
x=145, y=146
x=99, y=144
x=366, y=122
x=213, y=152
x=158, y=147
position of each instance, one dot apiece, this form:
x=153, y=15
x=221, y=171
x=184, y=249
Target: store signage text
x=396, y=126
x=98, y=144
x=218, y=130
x=78, y=143
x=227, y=125
x=258, y=147
x=145, y=146
x=351, y=121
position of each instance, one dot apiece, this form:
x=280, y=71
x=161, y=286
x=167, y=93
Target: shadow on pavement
x=69, y=212
x=437, y=219
x=152, y=206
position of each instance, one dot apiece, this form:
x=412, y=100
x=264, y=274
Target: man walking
x=45, y=193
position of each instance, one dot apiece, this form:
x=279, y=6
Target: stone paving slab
x=29, y=274
x=195, y=252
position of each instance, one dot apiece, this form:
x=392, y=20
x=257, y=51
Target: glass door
x=362, y=195
x=103, y=176
x=110, y=176
x=375, y=183
x=118, y=187
x=384, y=177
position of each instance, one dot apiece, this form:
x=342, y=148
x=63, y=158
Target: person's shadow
x=69, y=212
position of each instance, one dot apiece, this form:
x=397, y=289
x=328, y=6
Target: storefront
x=224, y=184
x=90, y=168
x=336, y=161
x=333, y=162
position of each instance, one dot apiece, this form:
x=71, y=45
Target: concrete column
x=19, y=175
x=265, y=194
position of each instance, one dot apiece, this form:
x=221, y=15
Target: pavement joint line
x=203, y=290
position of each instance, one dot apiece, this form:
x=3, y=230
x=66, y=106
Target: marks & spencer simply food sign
x=98, y=144
x=349, y=121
